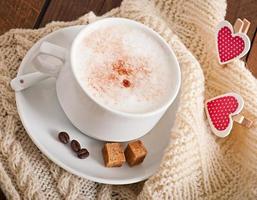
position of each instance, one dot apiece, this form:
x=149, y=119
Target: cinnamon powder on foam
x=120, y=71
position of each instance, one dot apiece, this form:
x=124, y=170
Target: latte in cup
x=124, y=68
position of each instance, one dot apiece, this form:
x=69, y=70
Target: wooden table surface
x=37, y=13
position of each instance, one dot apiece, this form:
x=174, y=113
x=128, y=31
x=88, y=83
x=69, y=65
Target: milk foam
x=124, y=68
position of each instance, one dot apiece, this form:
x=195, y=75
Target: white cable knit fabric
x=196, y=164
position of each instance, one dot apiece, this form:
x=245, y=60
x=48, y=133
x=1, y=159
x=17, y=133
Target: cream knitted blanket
x=196, y=164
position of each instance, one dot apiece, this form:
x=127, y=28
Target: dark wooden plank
x=66, y=10
x=243, y=9
x=252, y=57
x=2, y=196
x=19, y=13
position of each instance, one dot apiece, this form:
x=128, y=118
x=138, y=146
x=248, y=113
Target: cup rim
x=163, y=106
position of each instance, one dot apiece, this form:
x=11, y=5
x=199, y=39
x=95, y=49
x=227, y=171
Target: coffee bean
x=75, y=145
x=64, y=137
x=83, y=153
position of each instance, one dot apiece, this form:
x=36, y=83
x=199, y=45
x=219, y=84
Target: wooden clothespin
x=232, y=42
x=241, y=26
x=240, y=119
x=222, y=110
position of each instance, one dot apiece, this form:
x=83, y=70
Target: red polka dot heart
x=230, y=45
x=219, y=111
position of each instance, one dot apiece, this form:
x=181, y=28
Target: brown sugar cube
x=113, y=155
x=135, y=153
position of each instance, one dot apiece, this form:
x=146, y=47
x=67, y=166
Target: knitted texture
x=195, y=165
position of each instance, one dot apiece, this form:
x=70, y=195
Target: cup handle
x=49, y=61
x=50, y=58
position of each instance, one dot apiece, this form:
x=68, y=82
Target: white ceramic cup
x=90, y=117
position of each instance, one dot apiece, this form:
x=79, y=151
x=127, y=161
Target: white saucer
x=43, y=118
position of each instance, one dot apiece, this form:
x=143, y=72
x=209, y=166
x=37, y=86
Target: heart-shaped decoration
x=219, y=111
x=230, y=45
